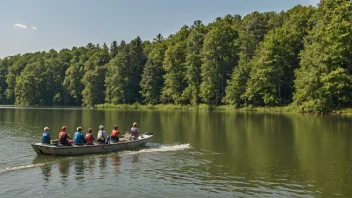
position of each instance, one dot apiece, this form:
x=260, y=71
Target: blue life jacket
x=46, y=138
x=78, y=138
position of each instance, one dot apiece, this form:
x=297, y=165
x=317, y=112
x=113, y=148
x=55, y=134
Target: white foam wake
x=162, y=149
x=20, y=167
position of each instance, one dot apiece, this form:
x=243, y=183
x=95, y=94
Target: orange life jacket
x=114, y=133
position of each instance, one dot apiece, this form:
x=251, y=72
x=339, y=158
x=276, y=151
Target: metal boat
x=50, y=149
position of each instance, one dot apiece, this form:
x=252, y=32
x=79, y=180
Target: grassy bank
x=199, y=107
x=203, y=107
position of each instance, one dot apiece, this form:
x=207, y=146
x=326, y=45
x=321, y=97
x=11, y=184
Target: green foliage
x=14, y=71
x=301, y=56
x=73, y=81
x=193, y=62
x=323, y=81
x=237, y=86
x=253, y=28
x=26, y=91
x=116, y=77
x=271, y=75
x=124, y=74
x=57, y=66
x=113, y=49
x=219, y=57
x=4, y=64
x=94, y=77
x=174, y=66
x=152, y=77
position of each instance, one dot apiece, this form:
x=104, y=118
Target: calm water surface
x=192, y=154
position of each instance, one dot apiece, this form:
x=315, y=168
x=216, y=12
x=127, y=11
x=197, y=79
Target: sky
x=41, y=25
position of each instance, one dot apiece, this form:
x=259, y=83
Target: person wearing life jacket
x=64, y=137
x=78, y=138
x=102, y=135
x=134, y=131
x=46, y=136
x=115, y=134
x=89, y=137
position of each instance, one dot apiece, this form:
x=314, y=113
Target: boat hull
x=48, y=149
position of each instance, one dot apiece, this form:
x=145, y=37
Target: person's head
x=90, y=130
x=116, y=127
x=79, y=129
x=101, y=127
x=46, y=129
x=134, y=124
x=63, y=128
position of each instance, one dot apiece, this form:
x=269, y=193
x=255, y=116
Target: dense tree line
x=302, y=56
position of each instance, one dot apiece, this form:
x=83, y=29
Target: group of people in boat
x=88, y=139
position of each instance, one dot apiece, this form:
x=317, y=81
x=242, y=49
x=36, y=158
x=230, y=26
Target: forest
x=300, y=57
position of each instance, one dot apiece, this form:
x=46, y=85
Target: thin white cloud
x=34, y=28
x=314, y=2
x=18, y=25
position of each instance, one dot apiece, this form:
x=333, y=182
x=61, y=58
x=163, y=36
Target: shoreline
x=204, y=107
x=174, y=107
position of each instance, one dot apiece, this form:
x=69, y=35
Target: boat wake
x=16, y=158
x=14, y=168
x=158, y=148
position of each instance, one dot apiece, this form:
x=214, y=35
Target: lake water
x=192, y=154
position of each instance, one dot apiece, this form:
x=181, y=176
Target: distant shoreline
x=204, y=107
x=174, y=107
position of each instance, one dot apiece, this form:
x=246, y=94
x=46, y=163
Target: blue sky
x=37, y=25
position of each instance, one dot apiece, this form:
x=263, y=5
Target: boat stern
x=40, y=148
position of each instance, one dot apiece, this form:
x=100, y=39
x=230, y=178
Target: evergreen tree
x=152, y=77
x=113, y=49
x=138, y=60
x=117, y=77
x=124, y=74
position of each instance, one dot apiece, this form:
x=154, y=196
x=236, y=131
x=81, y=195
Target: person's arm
x=68, y=136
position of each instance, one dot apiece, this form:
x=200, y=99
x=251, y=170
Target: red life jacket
x=89, y=138
x=63, y=137
x=114, y=133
